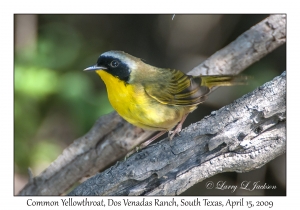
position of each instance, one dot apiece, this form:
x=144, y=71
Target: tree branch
x=239, y=137
x=248, y=48
x=111, y=138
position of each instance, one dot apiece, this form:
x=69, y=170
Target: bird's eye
x=114, y=64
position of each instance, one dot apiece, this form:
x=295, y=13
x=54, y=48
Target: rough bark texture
x=239, y=137
x=111, y=137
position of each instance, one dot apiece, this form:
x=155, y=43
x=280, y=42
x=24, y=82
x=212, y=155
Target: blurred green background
x=56, y=102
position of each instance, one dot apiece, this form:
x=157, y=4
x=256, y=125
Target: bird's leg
x=176, y=131
x=178, y=128
x=146, y=143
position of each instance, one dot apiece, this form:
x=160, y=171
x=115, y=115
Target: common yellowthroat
x=154, y=98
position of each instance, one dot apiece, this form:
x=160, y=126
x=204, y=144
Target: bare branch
x=239, y=137
x=248, y=48
x=111, y=137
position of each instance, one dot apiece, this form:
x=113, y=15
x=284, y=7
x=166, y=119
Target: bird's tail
x=223, y=80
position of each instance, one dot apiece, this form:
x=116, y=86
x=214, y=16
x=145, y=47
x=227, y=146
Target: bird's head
x=119, y=64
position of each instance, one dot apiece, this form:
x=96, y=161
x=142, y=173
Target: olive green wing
x=173, y=87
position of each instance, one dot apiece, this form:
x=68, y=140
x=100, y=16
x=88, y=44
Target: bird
x=152, y=98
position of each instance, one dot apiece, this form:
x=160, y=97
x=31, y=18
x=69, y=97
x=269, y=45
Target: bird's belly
x=135, y=106
x=142, y=111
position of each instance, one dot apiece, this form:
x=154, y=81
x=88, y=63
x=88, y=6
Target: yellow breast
x=135, y=106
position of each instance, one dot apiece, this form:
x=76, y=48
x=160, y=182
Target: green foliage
x=52, y=91
x=35, y=82
x=59, y=45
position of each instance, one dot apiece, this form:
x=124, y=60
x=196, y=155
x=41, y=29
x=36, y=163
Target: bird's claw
x=131, y=152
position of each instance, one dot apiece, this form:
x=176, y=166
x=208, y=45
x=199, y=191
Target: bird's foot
x=177, y=130
x=146, y=143
x=131, y=152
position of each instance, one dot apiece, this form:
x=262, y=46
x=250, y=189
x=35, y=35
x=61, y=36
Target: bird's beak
x=94, y=68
